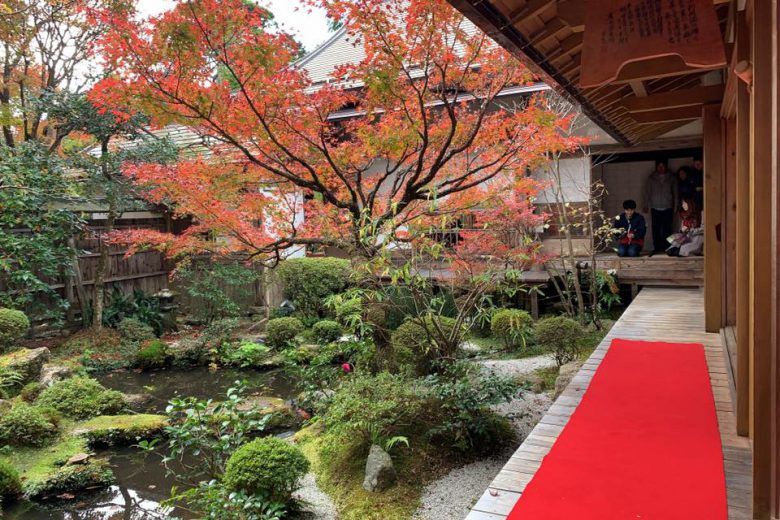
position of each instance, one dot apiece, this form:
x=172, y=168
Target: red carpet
x=643, y=444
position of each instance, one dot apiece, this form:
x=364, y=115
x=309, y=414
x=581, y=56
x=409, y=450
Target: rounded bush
x=26, y=425
x=81, y=398
x=327, y=331
x=417, y=344
x=152, y=354
x=31, y=391
x=135, y=330
x=560, y=336
x=281, y=331
x=13, y=327
x=308, y=281
x=268, y=466
x=10, y=484
x=512, y=326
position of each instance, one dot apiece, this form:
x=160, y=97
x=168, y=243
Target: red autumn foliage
x=435, y=139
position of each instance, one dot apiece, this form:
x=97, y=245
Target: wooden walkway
x=657, y=314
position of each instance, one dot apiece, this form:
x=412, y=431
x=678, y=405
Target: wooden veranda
x=730, y=106
x=658, y=314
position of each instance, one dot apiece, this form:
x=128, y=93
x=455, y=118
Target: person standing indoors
x=697, y=176
x=660, y=200
x=632, y=230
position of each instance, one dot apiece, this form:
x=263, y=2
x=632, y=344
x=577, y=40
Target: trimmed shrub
x=81, y=398
x=152, y=354
x=26, y=425
x=327, y=331
x=417, y=345
x=512, y=326
x=308, y=281
x=13, y=327
x=134, y=330
x=560, y=336
x=10, y=485
x=267, y=466
x=383, y=405
x=31, y=391
x=281, y=331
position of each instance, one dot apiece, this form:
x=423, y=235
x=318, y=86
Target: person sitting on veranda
x=689, y=241
x=632, y=230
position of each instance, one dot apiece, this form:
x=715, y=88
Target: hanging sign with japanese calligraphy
x=618, y=32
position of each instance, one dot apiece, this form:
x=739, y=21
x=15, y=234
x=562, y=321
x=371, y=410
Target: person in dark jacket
x=633, y=229
x=661, y=201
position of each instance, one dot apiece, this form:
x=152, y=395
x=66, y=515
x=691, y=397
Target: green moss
x=43, y=471
x=113, y=430
x=340, y=474
x=96, y=350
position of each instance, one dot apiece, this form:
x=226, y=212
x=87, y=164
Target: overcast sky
x=310, y=28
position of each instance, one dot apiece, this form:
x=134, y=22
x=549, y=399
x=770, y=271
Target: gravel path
x=515, y=367
x=451, y=497
x=319, y=504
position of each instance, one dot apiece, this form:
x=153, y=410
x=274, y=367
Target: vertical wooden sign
x=618, y=32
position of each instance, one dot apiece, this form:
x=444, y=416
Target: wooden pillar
x=713, y=196
x=761, y=228
x=729, y=215
x=742, y=377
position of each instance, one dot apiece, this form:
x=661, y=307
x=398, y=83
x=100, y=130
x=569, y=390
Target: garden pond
x=141, y=480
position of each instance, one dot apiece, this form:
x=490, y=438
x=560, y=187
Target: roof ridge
x=324, y=45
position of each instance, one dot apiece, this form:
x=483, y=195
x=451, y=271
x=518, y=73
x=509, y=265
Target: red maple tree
x=433, y=136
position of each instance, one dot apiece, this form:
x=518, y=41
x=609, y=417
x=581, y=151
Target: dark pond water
x=141, y=479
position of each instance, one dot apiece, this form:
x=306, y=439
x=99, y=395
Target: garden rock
x=380, y=471
x=79, y=458
x=138, y=402
x=565, y=375
x=28, y=362
x=283, y=414
x=51, y=374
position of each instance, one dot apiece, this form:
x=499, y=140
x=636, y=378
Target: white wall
x=575, y=177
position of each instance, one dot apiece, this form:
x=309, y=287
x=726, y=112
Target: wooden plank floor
x=657, y=314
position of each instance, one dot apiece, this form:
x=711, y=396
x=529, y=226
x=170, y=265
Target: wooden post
x=713, y=193
x=742, y=382
x=761, y=257
x=729, y=215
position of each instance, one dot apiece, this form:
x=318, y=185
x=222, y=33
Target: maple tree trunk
x=100, y=275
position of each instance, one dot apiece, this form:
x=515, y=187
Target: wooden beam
x=639, y=89
x=675, y=98
x=667, y=115
x=713, y=192
x=657, y=68
x=532, y=8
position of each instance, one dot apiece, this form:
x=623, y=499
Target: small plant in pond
x=560, y=336
x=280, y=332
x=245, y=354
x=512, y=326
x=153, y=353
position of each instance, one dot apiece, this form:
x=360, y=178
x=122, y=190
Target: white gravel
x=318, y=503
x=451, y=497
x=515, y=367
